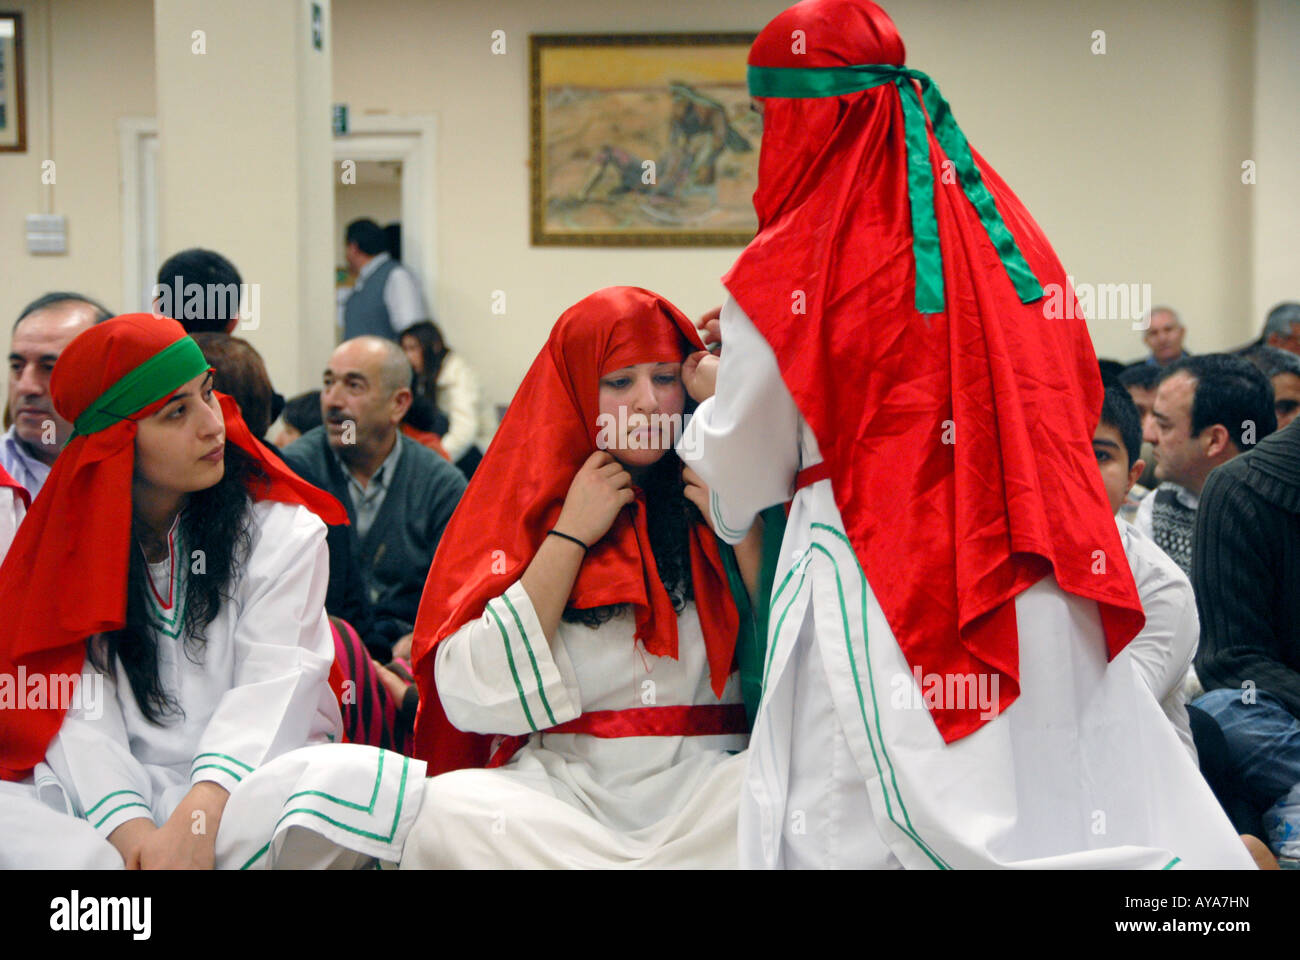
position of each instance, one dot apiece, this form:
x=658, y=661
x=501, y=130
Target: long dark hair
x=434, y=350
x=669, y=516
x=215, y=521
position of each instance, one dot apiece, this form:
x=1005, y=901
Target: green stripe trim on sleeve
x=510, y=658
x=541, y=689
x=216, y=766
x=223, y=756
x=115, y=793
x=133, y=803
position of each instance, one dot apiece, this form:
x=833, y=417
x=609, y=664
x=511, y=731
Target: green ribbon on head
x=813, y=82
x=158, y=376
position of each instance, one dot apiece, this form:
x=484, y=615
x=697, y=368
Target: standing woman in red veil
x=940, y=686
x=166, y=593
x=578, y=631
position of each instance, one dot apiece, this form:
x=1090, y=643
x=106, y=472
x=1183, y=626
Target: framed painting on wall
x=13, y=109
x=642, y=140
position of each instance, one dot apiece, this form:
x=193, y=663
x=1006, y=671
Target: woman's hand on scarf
x=698, y=494
x=600, y=489
x=700, y=375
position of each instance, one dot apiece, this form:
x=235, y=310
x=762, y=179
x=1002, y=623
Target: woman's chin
x=638, y=458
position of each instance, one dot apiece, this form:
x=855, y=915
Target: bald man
x=1164, y=337
x=45, y=326
x=399, y=494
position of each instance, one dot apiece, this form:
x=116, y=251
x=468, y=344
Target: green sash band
x=151, y=381
x=812, y=82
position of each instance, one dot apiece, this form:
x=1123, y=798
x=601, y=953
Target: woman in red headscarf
x=951, y=582
x=164, y=615
x=578, y=633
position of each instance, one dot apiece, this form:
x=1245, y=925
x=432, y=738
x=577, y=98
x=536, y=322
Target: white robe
x=258, y=691
x=846, y=767
x=577, y=800
x=1162, y=653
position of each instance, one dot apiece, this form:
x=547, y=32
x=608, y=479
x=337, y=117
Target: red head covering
x=518, y=491
x=66, y=574
x=955, y=416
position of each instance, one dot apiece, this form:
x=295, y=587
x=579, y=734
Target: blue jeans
x=1263, y=741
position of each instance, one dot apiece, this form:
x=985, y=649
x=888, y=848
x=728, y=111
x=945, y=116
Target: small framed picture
x=13, y=107
x=642, y=140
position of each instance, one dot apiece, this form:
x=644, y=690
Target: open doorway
x=393, y=158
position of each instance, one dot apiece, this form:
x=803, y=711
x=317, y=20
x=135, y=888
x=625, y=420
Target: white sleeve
x=458, y=397
x=281, y=699
x=1163, y=651
x=744, y=440
x=403, y=299
x=91, y=755
x=499, y=675
x=12, y=512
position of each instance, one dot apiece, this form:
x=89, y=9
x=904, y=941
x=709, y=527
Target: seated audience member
x=595, y=604
x=299, y=415
x=399, y=495
x=1283, y=371
x=1282, y=328
x=444, y=380
x=1164, y=338
x=195, y=680
x=200, y=289
x=45, y=326
x=1246, y=571
x=1162, y=652
x=1207, y=410
x=1141, y=381
x=386, y=297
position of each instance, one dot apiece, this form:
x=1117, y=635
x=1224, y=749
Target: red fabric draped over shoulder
x=958, y=443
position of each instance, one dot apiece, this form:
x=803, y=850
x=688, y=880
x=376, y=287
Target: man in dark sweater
x=399, y=495
x=1246, y=571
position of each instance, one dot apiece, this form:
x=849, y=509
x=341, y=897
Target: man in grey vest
x=386, y=298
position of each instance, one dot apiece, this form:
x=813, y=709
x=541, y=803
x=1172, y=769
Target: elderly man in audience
x=1207, y=410
x=1246, y=572
x=399, y=494
x=1164, y=337
x=45, y=326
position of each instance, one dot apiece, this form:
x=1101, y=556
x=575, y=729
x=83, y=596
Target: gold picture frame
x=642, y=140
x=13, y=103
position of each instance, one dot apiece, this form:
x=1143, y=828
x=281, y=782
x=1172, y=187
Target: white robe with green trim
x=577, y=800
x=846, y=767
x=251, y=696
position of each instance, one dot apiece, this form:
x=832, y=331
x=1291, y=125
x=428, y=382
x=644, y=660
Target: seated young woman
x=177, y=570
x=581, y=622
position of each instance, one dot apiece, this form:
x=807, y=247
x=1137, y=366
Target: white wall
x=102, y=65
x=1130, y=160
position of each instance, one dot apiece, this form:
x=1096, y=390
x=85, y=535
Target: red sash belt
x=706, y=720
x=810, y=475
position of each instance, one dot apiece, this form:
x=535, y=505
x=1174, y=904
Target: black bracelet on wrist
x=556, y=533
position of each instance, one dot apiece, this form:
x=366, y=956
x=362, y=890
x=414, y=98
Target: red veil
x=518, y=490
x=897, y=279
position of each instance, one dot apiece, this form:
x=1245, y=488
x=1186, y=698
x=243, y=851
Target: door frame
x=411, y=139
